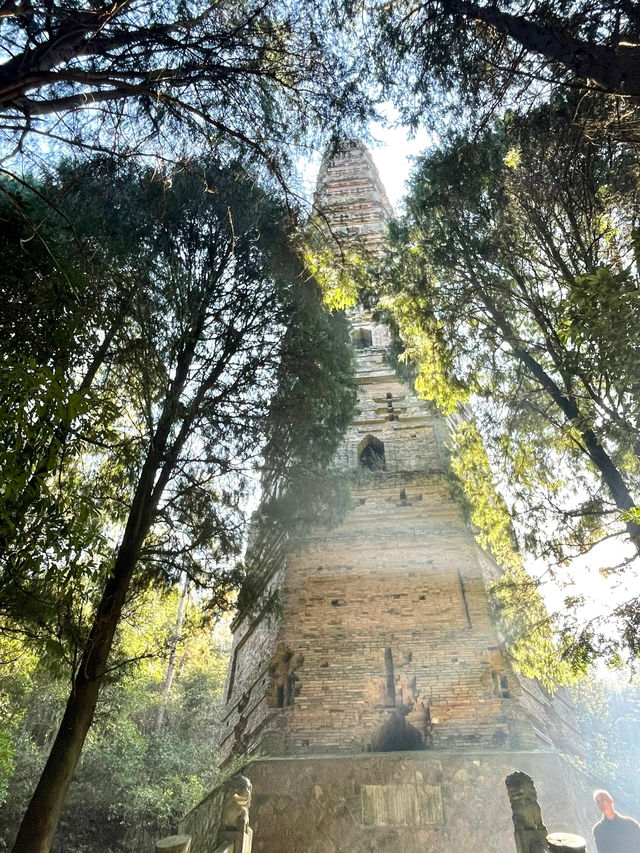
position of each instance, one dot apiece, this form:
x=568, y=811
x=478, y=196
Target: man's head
x=604, y=802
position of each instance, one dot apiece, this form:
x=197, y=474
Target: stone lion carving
x=530, y=831
x=236, y=802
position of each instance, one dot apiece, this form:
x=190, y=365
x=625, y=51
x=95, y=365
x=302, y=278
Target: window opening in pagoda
x=371, y=454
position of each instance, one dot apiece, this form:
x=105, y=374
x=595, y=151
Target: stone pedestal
x=566, y=842
x=417, y=802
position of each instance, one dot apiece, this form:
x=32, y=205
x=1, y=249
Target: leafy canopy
x=214, y=312
x=167, y=78
x=514, y=282
x=470, y=58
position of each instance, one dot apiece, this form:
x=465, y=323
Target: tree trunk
x=43, y=813
x=171, y=668
x=615, y=70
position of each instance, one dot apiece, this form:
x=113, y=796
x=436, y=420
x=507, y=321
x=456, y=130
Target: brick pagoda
x=379, y=700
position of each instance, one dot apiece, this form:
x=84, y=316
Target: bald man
x=614, y=833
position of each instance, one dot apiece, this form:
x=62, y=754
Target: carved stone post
x=235, y=833
x=174, y=844
x=530, y=832
x=566, y=842
x=235, y=842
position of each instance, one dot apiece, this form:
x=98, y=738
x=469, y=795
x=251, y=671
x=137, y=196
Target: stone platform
x=414, y=802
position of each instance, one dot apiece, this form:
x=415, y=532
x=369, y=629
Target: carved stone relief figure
x=497, y=679
x=282, y=673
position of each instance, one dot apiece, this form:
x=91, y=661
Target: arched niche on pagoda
x=371, y=454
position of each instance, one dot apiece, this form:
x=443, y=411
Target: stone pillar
x=236, y=841
x=235, y=833
x=174, y=844
x=529, y=830
x=566, y=842
x=220, y=823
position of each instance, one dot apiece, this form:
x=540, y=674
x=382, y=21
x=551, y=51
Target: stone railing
x=219, y=824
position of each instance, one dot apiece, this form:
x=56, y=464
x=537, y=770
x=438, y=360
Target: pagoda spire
x=351, y=198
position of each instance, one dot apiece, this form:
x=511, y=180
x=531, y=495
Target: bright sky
x=394, y=154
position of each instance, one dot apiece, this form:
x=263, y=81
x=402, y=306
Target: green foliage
x=16, y=666
x=486, y=238
x=341, y=275
x=454, y=61
x=6, y=762
x=165, y=79
x=517, y=604
x=599, y=323
x=135, y=781
x=313, y=404
x=58, y=301
x=65, y=498
x=204, y=325
x=537, y=649
x=608, y=716
x=513, y=282
x=489, y=513
x=425, y=347
x=309, y=413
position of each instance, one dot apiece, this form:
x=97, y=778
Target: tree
x=63, y=303
x=487, y=54
x=176, y=638
x=608, y=713
x=134, y=783
x=518, y=290
x=142, y=76
x=189, y=377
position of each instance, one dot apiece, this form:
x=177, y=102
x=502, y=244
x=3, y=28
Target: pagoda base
x=414, y=802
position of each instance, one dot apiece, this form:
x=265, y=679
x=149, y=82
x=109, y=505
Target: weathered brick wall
x=384, y=636
x=351, y=196
x=254, y=640
x=552, y=716
x=395, y=592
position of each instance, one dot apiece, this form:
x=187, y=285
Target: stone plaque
x=401, y=805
